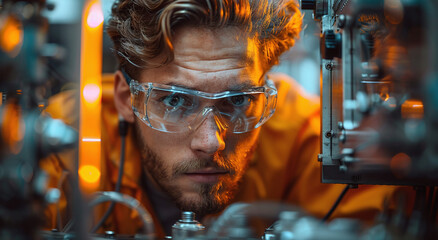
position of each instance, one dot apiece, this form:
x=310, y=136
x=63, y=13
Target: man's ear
x=122, y=97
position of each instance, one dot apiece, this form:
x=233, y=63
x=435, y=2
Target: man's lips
x=206, y=175
x=207, y=171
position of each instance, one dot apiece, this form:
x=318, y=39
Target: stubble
x=211, y=198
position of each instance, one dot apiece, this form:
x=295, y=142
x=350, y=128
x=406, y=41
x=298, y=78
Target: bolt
x=347, y=151
x=320, y=157
x=343, y=168
x=187, y=217
x=342, y=137
x=110, y=234
x=329, y=134
x=340, y=126
x=341, y=21
x=329, y=66
x=347, y=159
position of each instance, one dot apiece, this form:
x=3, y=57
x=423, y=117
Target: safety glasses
x=175, y=109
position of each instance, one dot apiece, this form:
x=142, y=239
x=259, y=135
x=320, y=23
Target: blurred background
x=301, y=62
x=376, y=73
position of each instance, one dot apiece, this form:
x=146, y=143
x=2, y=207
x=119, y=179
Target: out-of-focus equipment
x=130, y=202
x=379, y=65
x=379, y=102
x=25, y=135
x=379, y=73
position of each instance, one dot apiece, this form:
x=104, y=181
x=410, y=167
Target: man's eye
x=174, y=100
x=240, y=100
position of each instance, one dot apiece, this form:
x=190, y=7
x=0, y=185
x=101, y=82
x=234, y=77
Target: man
x=194, y=84
x=198, y=154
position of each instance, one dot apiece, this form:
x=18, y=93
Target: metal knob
x=187, y=227
x=187, y=217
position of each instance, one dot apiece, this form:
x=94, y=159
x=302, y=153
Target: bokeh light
x=89, y=173
x=91, y=92
x=95, y=16
x=11, y=35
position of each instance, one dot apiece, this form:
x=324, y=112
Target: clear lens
x=242, y=112
x=173, y=109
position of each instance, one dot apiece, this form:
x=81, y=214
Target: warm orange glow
x=95, y=15
x=91, y=92
x=89, y=173
x=393, y=11
x=91, y=85
x=412, y=109
x=11, y=35
x=400, y=164
x=391, y=102
x=12, y=128
x=384, y=96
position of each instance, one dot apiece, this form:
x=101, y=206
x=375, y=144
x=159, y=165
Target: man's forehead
x=218, y=81
x=210, y=60
x=214, y=44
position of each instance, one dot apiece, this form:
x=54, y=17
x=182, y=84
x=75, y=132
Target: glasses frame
x=268, y=89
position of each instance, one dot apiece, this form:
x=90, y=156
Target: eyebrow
x=237, y=87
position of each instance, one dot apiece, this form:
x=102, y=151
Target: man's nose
x=208, y=138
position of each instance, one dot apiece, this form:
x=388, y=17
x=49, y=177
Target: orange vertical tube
x=90, y=98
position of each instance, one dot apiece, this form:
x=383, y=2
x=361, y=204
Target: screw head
x=343, y=168
x=329, y=134
x=341, y=21
x=110, y=234
x=320, y=157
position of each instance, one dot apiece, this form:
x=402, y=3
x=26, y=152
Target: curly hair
x=142, y=30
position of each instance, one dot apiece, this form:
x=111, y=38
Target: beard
x=210, y=197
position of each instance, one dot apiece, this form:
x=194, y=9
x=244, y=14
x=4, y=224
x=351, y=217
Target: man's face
x=200, y=169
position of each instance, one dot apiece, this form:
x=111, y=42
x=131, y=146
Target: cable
x=420, y=198
x=123, y=130
x=58, y=209
x=132, y=203
x=434, y=207
x=327, y=216
x=429, y=202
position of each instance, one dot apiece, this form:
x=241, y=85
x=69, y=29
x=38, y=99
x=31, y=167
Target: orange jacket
x=284, y=167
